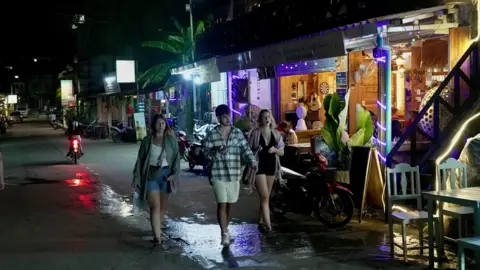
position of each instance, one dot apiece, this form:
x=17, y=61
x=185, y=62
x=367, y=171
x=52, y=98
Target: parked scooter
x=120, y=133
x=195, y=155
x=313, y=194
x=183, y=144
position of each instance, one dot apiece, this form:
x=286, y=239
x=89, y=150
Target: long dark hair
x=167, y=131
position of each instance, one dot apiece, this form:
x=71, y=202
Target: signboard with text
x=110, y=84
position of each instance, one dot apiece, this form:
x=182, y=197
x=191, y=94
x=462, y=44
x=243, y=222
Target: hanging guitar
x=314, y=103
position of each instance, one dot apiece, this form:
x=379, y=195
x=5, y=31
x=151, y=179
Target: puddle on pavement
x=201, y=242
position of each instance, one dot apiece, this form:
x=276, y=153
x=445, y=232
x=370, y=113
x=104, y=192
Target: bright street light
x=16, y=77
x=35, y=60
x=197, y=80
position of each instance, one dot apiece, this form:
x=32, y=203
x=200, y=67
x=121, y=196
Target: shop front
x=423, y=51
x=303, y=87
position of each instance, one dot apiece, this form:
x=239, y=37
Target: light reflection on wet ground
x=291, y=243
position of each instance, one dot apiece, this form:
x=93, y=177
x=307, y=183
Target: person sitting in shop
x=289, y=135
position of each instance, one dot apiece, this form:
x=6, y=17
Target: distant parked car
x=24, y=110
x=15, y=117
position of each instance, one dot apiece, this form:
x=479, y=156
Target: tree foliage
x=179, y=44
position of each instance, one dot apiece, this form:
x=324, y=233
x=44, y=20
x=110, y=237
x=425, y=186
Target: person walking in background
x=289, y=135
x=224, y=146
x=156, y=171
x=267, y=144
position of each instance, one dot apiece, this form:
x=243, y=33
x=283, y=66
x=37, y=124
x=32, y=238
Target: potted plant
x=334, y=133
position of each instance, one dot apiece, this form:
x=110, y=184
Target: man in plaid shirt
x=224, y=147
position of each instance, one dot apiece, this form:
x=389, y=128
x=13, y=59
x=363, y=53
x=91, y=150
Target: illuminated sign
x=126, y=71
x=67, y=93
x=12, y=99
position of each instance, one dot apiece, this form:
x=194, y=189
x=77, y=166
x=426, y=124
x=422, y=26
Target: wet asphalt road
x=56, y=215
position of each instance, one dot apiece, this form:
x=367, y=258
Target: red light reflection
x=81, y=174
x=87, y=201
x=77, y=182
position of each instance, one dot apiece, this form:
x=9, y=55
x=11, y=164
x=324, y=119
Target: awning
x=317, y=46
x=205, y=71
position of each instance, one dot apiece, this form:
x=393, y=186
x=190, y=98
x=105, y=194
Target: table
x=302, y=147
x=469, y=197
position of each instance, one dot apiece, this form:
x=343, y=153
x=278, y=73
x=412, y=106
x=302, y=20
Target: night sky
x=43, y=29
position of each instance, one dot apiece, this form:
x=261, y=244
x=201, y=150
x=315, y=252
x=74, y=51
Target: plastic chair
x=447, y=174
x=406, y=192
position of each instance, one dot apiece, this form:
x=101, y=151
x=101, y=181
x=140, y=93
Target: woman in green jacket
x=156, y=171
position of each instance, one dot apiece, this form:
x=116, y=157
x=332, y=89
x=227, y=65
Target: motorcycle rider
x=74, y=132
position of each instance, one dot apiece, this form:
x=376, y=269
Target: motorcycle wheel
x=75, y=159
x=191, y=165
x=278, y=202
x=116, y=136
x=344, y=204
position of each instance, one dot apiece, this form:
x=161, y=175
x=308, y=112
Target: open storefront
x=305, y=84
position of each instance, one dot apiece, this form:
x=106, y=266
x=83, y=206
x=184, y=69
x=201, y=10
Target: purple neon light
x=381, y=105
x=384, y=159
x=235, y=111
x=381, y=127
x=377, y=141
x=382, y=59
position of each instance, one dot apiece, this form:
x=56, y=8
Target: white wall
x=219, y=91
x=260, y=90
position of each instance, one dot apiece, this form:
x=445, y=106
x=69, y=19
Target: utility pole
x=189, y=8
x=78, y=19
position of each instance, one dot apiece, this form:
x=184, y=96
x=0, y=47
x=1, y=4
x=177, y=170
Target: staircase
x=459, y=110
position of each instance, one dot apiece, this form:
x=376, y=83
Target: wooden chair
x=407, y=192
x=472, y=243
x=447, y=174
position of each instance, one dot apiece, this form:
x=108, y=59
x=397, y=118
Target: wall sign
x=342, y=78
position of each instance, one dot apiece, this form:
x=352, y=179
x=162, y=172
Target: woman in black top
x=267, y=143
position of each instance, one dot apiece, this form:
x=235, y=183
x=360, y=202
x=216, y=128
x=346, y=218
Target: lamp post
x=188, y=8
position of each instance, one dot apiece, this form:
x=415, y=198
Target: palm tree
x=178, y=43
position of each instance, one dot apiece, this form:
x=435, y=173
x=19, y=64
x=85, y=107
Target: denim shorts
x=160, y=184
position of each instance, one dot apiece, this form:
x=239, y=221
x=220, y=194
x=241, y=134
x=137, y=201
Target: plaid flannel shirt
x=227, y=167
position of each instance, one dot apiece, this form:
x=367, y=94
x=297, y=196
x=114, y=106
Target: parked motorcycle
x=183, y=144
x=195, y=155
x=121, y=133
x=330, y=202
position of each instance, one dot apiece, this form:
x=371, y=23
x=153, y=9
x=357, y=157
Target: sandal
x=157, y=242
x=262, y=228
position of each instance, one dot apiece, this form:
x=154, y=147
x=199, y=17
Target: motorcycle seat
x=290, y=174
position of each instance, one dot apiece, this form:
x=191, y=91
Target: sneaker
x=225, y=239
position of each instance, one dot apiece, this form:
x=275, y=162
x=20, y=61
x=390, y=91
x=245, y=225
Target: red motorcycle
x=183, y=144
x=330, y=202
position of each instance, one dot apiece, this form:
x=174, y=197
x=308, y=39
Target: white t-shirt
x=155, y=159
